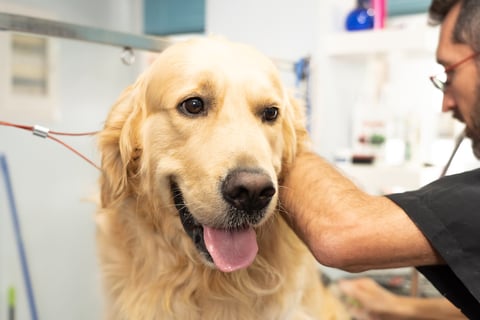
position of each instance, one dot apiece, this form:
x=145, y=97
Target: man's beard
x=476, y=146
x=474, y=132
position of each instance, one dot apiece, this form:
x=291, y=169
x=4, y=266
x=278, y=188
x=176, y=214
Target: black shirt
x=447, y=212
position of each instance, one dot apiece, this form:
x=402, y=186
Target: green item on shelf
x=377, y=139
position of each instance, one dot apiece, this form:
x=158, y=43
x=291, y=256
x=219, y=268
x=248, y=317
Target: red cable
x=74, y=151
x=16, y=125
x=92, y=133
x=32, y=128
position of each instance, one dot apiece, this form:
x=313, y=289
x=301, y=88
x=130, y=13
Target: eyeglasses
x=440, y=81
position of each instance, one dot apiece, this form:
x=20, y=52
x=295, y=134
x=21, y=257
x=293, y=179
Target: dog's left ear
x=295, y=132
x=119, y=144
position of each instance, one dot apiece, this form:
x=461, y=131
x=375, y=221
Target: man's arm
x=346, y=228
x=365, y=296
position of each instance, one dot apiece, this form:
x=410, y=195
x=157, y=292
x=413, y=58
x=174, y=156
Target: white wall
x=51, y=184
x=285, y=31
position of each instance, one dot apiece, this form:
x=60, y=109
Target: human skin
x=367, y=300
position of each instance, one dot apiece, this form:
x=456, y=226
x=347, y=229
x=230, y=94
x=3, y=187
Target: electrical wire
x=47, y=133
x=458, y=142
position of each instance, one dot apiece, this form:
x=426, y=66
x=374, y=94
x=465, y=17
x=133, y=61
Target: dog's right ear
x=119, y=144
x=294, y=129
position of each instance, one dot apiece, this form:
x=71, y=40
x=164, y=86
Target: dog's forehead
x=216, y=54
x=212, y=67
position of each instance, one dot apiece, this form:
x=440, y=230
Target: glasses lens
x=439, y=81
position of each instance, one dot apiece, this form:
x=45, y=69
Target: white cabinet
x=385, y=179
x=421, y=40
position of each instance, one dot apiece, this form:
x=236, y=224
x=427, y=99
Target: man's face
x=462, y=95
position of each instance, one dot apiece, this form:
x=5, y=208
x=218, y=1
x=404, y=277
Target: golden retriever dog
x=189, y=227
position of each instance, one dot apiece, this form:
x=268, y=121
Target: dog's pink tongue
x=231, y=250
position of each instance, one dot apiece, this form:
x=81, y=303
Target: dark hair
x=467, y=27
x=438, y=10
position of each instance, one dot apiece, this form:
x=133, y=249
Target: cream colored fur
x=151, y=268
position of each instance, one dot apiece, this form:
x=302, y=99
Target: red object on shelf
x=380, y=8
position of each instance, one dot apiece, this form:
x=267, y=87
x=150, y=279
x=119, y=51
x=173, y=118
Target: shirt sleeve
x=447, y=212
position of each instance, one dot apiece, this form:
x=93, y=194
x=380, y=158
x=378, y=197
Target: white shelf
x=384, y=178
x=345, y=44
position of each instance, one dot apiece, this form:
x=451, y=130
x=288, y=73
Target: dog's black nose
x=248, y=190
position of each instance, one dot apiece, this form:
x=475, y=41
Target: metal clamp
x=40, y=131
x=128, y=56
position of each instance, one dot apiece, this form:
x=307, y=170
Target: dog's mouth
x=228, y=249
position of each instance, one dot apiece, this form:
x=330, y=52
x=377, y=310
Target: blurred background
x=371, y=110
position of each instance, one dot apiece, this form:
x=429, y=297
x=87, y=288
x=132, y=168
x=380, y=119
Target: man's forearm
x=308, y=196
x=343, y=226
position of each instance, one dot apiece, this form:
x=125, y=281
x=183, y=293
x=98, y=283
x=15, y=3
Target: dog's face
x=207, y=130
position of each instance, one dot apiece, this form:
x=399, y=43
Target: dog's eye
x=270, y=114
x=192, y=106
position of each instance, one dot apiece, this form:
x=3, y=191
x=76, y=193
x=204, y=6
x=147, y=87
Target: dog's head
x=208, y=130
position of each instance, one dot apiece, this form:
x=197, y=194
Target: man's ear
x=119, y=144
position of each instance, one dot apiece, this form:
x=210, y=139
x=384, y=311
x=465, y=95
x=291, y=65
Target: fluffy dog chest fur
x=150, y=277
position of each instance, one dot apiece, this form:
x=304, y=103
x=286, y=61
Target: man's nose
x=448, y=102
